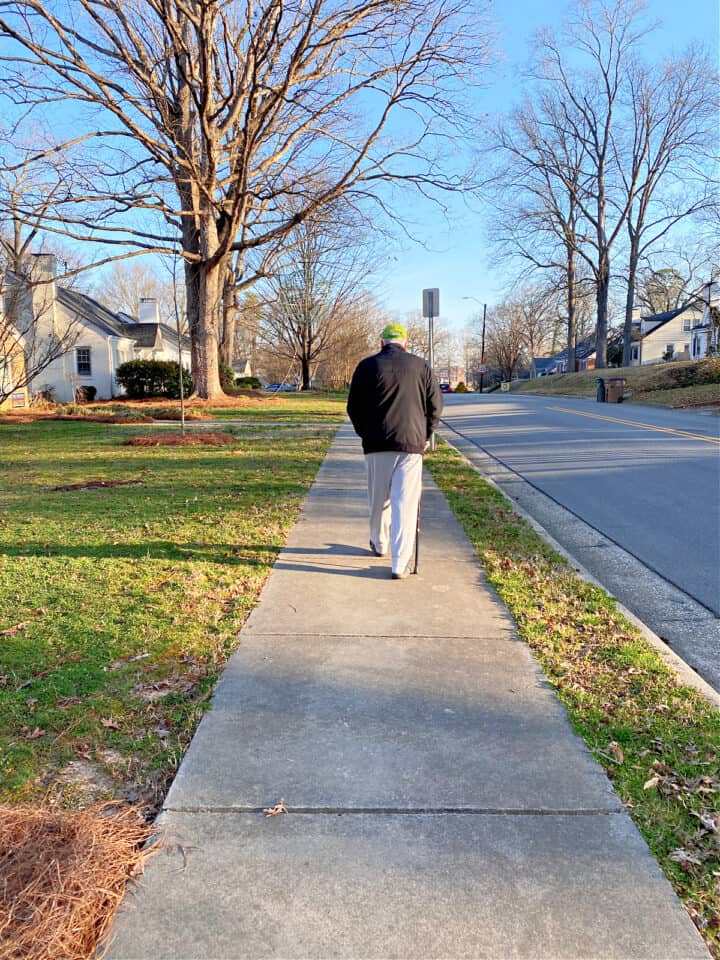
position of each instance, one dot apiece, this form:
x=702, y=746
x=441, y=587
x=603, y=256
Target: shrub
x=85, y=394
x=46, y=394
x=152, y=378
x=248, y=382
x=227, y=376
x=461, y=388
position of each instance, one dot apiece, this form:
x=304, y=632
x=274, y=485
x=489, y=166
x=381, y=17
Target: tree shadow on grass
x=239, y=554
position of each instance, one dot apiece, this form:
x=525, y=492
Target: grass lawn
x=302, y=407
x=658, y=741
x=120, y=605
x=682, y=384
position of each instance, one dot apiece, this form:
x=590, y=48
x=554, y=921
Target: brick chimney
x=148, y=311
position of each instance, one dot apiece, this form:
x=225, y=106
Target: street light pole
x=482, y=349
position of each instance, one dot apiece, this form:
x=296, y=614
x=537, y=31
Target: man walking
x=394, y=405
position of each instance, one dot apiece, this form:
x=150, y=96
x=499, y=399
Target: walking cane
x=417, y=537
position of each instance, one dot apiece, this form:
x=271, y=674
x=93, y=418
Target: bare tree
x=605, y=37
x=674, y=119
x=356, y=337
x=213, y=114
x=536, y=187
x=537, y=312
x=319, y=279
x=658, y=291
x=504, y=345
x=127, y=284
x=31, y=335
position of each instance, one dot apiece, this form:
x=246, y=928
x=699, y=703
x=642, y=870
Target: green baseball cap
x=393, y=331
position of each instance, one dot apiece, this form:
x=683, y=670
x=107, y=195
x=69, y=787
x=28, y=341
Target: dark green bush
x=461, y=388
x=152, y=378
x=248, y=382
x=227, y=376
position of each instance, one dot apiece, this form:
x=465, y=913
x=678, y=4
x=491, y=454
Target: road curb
x=685, y=672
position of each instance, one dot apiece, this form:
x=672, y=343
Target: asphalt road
x=646, y=478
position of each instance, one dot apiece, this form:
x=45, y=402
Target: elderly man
x=394, y=405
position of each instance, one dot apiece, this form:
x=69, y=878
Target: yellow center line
x=640, y=426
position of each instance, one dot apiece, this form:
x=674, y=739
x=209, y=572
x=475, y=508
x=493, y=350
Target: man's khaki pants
x=394, y=488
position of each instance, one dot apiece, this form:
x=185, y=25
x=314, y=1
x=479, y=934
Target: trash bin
x=600, y=390
x=615, y=390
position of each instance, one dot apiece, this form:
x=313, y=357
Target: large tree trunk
x=206, y=376
x=630, y=302
x=305, y=368
x=603, y=291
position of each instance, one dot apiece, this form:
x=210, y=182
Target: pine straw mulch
x=63, y=874
x=201, y=438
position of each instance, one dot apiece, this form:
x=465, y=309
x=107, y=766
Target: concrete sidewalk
x=440, y=805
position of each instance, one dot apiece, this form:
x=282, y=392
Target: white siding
x=654, y=344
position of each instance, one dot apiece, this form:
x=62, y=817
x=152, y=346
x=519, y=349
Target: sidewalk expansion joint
x=410, y=811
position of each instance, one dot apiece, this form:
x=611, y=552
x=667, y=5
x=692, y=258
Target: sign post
x=431, y=309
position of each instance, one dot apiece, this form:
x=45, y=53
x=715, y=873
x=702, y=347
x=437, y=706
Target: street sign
x=431, y=302
x=482, y=368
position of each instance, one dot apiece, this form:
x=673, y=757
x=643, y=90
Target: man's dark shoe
x=375, y=550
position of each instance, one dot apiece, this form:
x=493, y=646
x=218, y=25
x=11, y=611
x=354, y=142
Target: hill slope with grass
x=694, y=383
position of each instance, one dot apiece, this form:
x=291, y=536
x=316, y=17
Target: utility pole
x=482, y=349
x=483, y=368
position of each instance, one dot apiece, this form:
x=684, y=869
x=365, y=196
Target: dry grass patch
x=62, y=877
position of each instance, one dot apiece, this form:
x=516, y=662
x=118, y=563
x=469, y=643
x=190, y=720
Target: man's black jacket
x=394, y=402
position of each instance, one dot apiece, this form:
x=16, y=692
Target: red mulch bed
x=204, y=438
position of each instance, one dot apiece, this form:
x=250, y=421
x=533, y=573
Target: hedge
x=152, y=378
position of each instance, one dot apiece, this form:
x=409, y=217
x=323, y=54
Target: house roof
x=662, y=318
x=543, y=363
x=117, y=324
x=93, y=312
x=583, y=349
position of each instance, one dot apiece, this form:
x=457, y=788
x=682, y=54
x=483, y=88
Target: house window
x=670, y=349
x=82, y=359
x=687, y=324
x=635, y=352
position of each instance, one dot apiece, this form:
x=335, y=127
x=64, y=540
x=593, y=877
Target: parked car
x=280, y=387
x=445, y=388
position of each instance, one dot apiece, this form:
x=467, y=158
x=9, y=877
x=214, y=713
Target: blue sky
x=457, y=261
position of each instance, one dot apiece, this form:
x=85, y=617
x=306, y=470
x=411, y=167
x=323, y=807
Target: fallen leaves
x=96, y=484
x=276, y=810
x=10, y=631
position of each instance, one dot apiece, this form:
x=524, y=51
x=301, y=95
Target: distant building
x=665, y=336
x=542, y=366
x=104, y=340
x=705, y=332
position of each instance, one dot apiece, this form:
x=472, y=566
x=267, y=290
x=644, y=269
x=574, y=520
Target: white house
x=102, y=339
x=705, y=334
x=664, y=336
